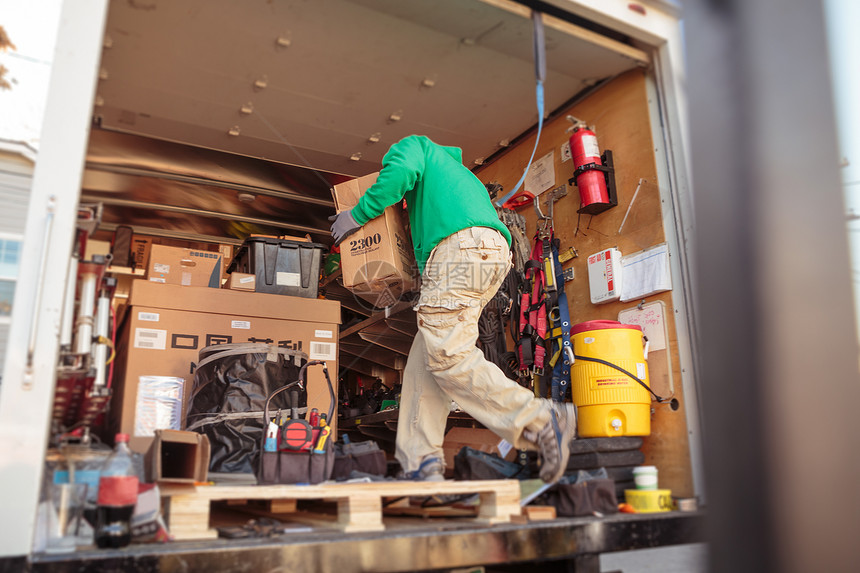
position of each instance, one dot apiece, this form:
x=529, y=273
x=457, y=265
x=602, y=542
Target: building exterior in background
x=17, y=161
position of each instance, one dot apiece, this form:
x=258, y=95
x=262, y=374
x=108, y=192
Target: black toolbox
x=281, y=266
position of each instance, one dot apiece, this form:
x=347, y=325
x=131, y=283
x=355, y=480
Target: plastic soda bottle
x=118, y=486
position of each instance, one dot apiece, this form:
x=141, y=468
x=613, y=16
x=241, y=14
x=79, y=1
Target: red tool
x=296, y=434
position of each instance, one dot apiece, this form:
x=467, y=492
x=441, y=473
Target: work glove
x=343, y=226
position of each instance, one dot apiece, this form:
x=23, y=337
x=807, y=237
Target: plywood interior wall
x=619, y=113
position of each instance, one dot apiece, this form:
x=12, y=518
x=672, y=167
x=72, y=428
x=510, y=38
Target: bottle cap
x=121, y=438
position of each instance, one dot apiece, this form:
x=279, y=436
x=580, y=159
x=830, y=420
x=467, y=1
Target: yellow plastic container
x=610, y=403
x=650, y=501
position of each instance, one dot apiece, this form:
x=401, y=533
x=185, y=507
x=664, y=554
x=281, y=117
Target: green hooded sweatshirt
x=442, y=195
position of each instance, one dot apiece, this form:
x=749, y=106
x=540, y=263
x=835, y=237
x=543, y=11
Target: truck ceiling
x=326, y=86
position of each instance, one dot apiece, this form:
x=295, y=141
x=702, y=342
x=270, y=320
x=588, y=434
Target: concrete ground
x=692, y=558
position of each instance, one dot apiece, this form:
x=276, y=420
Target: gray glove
x=343, y=226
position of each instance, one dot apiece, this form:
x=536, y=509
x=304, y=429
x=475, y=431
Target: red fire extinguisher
x=590, y=172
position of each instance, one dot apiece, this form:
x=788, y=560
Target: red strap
x=521, y=199
x=537, y=314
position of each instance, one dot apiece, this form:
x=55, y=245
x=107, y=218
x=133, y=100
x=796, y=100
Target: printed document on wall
x=646, y=273
x=541, y=175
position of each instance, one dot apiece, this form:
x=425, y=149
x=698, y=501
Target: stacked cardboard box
x=165, y=327
x=181, y=266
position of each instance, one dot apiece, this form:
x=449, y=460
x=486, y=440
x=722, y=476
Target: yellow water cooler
x=609, y=402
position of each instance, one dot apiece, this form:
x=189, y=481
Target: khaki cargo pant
x=461, y=276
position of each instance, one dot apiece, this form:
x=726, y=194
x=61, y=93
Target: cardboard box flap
x=347, y=194
x=232, y=302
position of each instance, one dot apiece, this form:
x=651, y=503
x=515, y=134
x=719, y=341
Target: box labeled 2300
x=377, y=261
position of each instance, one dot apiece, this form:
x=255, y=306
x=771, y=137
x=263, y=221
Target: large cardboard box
x=181, y=266
x=377, y=261
x=166, y=326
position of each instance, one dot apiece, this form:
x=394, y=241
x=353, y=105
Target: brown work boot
x=553, y=441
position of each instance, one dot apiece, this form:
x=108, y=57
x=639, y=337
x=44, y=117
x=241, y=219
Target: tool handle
x=272, y=395
x=321, y=440
x=294, y=404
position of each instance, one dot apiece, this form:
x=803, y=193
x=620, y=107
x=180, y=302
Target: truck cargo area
x=217, y=131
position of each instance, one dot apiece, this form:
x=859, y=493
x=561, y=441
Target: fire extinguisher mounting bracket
x=608, y=170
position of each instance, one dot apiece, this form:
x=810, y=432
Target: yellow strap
x=554, y=358
x=549, y=276
x=553, y=333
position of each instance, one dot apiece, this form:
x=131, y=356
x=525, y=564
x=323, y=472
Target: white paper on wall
x=646, y=272
x=541, y=175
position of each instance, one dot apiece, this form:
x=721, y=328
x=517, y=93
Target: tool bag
x=591, y=497
x=302, y=453
x=363, y=457
x=472, y=464
x=231, y=383
x=586, y=493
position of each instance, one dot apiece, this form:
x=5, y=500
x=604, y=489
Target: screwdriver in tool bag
x=272, y=427
x=271, y=444
x=325, y=430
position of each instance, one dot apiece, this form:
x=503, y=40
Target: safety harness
x=544, y=317
x=531, y=347
x=559, y=315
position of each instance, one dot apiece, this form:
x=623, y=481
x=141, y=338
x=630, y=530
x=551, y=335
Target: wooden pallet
x=359, y=505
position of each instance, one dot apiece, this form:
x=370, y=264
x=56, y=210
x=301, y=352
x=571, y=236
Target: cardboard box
x=96, y=248
x=181, y=266
x=377, y=261
x=177, y=457
x=226, y=256
x=166, y=326
x=241, y=281
x=140, y=247
x=476, y=438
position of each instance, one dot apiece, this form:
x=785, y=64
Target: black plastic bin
x=281, y=266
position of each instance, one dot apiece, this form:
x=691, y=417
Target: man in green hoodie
x=463, y=254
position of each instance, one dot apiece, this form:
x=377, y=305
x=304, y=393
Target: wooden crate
x=359, y=505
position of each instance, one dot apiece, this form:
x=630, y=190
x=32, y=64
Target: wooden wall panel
x=619, y=113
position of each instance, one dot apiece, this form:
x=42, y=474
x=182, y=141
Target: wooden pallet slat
x=359, y=505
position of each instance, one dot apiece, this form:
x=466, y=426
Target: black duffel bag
x=231, y=384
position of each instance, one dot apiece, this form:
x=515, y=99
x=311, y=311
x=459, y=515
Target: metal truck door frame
x=655, y=24
x=27, y=389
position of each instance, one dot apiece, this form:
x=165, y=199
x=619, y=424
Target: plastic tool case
x=282, y=266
